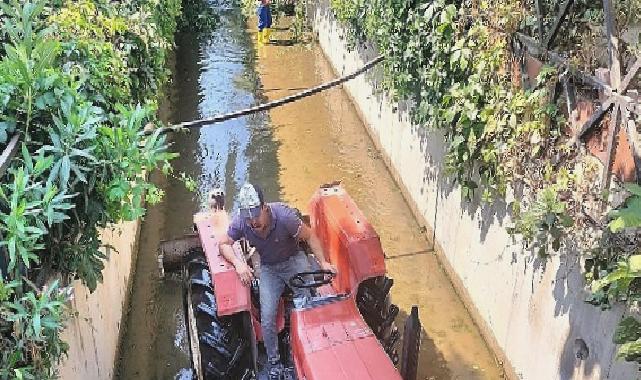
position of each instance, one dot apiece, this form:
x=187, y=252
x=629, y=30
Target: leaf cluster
x=79, y=81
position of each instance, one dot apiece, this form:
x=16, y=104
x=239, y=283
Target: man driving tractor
x=275, y=230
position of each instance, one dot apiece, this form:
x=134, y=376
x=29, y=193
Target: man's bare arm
x=245, y=272
x=310, y=237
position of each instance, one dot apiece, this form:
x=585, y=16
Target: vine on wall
x=453, y=61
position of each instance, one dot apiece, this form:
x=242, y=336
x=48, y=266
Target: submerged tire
x=219, y=346
x=379, y=313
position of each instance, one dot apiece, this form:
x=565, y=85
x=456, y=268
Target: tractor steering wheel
x=306, y=280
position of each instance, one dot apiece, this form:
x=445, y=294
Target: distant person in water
x=264, y=21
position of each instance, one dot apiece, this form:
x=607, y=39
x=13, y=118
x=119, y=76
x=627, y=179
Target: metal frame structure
x=618, y=102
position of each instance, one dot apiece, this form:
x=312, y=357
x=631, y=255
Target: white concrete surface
x=93, y=334
x=531, y=312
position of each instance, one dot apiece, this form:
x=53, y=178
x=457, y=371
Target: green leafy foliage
x=92, y=53
x=130, y=152
x=189, y=182
x=79, y=81
x=452, y=69
x=544, y=222
x=620, y=283
x=628, y=216
x=73, y=136
x=300, y=27
x=81, y=146
x=198, y=16
x=30, y=332
x=628, y=335
x=615, y=275
x=629, y=329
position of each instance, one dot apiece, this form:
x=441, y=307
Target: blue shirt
x=281, y=240
x=264, y=17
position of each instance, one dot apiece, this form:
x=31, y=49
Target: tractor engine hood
x=333, y=342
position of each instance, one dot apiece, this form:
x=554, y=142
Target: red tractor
x=344, y=331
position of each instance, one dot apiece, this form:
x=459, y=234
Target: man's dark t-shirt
x=281, y=240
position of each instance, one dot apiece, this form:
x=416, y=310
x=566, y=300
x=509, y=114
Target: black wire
x=272, y=104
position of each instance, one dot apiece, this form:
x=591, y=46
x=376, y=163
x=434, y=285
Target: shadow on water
x=210, y=75
x=429, y=352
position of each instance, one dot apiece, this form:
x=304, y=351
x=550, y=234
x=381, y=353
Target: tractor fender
x=231, y=295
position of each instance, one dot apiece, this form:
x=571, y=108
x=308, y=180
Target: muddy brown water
x=290, y=151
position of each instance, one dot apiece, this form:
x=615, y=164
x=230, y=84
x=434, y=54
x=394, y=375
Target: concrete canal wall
x=93, y=334
x=531, y=312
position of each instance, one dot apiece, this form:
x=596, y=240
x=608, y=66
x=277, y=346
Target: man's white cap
x=250, y=198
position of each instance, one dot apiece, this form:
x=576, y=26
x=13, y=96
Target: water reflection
x=211, y=75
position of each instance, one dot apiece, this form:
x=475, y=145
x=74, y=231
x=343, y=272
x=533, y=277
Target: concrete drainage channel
x=290, y=151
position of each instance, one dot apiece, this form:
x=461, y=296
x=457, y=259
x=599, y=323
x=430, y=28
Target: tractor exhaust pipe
x=411, y=345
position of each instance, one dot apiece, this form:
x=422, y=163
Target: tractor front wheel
x=219, y=346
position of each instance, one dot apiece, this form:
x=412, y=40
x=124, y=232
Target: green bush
x=79, y=80
x=454, y=70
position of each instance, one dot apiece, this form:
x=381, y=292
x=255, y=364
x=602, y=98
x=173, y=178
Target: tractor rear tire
x=373, y=301
x=219, y=346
